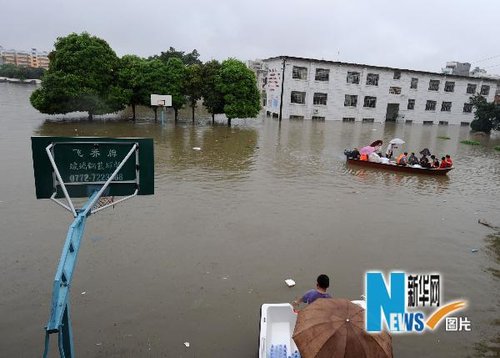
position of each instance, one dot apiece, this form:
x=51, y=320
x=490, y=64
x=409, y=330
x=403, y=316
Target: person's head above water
x=323, y=281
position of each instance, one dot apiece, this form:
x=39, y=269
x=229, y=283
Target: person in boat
x=448, y=159
x=390, y=150
x=424, y=162
x=434, y=162
x=355, y=153
x=444, y=164
x=322, y=284
x=412, y=159
x=402, y=159
x=374, y=157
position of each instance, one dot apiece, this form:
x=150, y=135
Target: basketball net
x=103, y=201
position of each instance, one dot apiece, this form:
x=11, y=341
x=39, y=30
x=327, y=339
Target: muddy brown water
x=261, y=202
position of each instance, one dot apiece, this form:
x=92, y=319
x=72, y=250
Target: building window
x=296, y=117
x=414, y=83
x=411, y=104
x=464, y=124
x=370, y=102
x=350, y=100
x=322, y=74
x=446, y=107
x=471, y=88
x=397, y=74
x=348, y=119
x=428, y=123
x=434, y=85
x=485, y=90
x=443, y=123
x=320, y=98
x=299, y=73
x=449, y=86
x=368, y=120
x=467, y=107
x=395, y=90
x=430, y=106
x=372, y=79
x=353, y=77
x=298, y=97
x=318, y=118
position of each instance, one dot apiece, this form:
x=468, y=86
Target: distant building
x=457, y=68
x=32, y=58
x=331, y=90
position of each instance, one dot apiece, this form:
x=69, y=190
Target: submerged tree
x=486, y=115
x=213, y=98
x=193, y=86
x=239, y=86
x=133, y=80
x=81, y=77
x=174, y=82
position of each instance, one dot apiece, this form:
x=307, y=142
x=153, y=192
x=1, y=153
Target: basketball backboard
x=161, y=100
x=84, y=165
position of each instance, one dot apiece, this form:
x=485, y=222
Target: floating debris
x=196, y=148
x=187, y=344
x=84, y=292
x=474, y=250
x=289, y=282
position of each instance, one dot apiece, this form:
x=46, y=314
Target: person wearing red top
x=444, y=163
x=448, y=159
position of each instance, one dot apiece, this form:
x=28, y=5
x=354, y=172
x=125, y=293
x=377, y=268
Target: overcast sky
x=418, y=34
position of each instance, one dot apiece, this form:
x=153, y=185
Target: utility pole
x=282, y=83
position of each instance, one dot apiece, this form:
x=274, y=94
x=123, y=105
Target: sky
x=418, y=34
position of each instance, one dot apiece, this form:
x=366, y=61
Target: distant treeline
x=86, y=75
x=21, y=72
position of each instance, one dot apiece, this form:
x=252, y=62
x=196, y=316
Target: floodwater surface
x=259, y=203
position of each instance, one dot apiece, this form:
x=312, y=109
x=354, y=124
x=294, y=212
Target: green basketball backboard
x=84, y=164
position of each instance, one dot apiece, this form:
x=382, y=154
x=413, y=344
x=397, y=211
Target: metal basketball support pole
x=59, y=320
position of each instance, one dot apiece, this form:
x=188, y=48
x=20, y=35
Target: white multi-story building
x=319, y=90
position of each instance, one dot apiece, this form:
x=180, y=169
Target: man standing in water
x=322, y=284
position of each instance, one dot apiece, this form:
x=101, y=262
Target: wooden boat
x=400, y=168
x=277, y=322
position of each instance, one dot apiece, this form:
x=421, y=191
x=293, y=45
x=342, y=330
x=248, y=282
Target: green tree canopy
x=21, y=72
x=486, y=115
x=239, y=86
x=213, y=98
x=81, y=77
x=188, y=59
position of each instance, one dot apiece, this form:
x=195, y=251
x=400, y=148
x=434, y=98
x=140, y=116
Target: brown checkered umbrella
x=336, y=328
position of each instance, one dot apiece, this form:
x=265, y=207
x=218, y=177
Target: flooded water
x=261, y=202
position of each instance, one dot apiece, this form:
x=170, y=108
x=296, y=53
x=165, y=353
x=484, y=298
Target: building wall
x=337, y=87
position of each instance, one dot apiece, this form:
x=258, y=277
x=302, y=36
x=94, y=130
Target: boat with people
x=416, y=169
x=277, y=326
x=370, y=156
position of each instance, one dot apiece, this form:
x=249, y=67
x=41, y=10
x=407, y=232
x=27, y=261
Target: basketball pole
x=59, y=320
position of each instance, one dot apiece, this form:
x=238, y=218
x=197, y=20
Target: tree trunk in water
x=155, y=109
x=133, y=112
x=176, y=114
x=213, y=118
x=229, y=122
x=91, y=116
x=192, y=111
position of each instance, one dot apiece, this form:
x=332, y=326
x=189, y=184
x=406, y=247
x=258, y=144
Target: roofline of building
x=377, y=67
